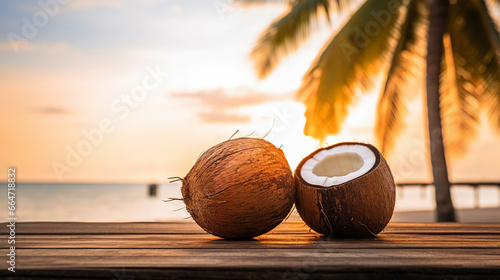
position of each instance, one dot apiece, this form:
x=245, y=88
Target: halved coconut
x=345, y=190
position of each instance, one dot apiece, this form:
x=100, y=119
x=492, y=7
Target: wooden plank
x=127, y=228
x=265, y=257
x=299, y=241
x=339, y=273
x=103, y=228
x=39, y=228
x=291, y=251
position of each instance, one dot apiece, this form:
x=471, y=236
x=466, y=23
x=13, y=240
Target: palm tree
x=388, y=39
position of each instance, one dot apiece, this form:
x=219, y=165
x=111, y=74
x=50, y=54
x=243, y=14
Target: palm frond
x=459, y=102
x=404, y=77
x=349, y=62
x=474, y=45
x=490, y=87
x=285, y=34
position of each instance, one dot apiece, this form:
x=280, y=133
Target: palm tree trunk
x=438, y=18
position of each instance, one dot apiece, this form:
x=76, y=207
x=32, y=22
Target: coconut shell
x=358, y=208
x=239, y=189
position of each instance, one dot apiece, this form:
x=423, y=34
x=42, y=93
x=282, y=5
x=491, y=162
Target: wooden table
x=181, y=250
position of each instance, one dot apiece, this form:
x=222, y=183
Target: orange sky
x=99, y=68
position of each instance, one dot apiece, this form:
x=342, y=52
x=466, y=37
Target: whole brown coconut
x=346, y=190
x=239, y=189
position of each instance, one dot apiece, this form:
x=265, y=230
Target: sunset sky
x=85, y=94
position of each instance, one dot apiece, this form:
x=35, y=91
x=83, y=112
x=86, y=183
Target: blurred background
x=100, y=99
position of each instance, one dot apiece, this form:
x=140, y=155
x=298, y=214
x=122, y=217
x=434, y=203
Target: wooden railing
x=474, y=185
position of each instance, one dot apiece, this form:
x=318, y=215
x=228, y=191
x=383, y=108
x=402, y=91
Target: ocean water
x=94, y=202
x=131, y=202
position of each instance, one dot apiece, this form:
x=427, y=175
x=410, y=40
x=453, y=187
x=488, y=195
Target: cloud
x=30, y=47
x=219, y=98
x=152, y=2
x=223, y=117
x=175, y=9
x=221, y=104
x=20, y=47
x=90, y=4
x=50, y=110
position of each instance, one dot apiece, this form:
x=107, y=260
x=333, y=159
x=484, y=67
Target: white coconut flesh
x=338, y=165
